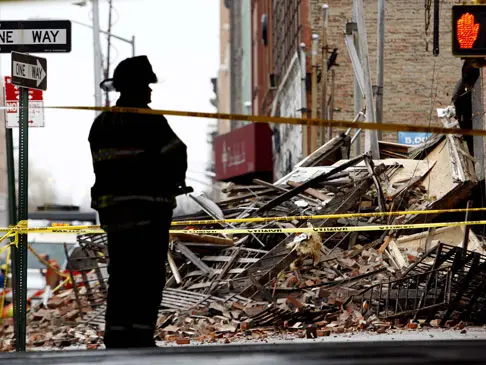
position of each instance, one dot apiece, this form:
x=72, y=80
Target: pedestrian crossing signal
x=469, y=30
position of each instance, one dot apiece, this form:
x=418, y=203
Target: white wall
x=290, y=135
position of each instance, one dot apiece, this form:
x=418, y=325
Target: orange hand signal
x=467, y=30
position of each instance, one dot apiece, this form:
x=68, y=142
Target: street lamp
x=126, y=40
x=97, y=46
x=98, y=63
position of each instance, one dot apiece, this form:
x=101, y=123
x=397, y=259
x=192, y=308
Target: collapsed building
x=363, y=265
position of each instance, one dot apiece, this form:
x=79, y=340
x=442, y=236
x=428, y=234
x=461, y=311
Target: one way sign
x=35, y=36
x=29, y=71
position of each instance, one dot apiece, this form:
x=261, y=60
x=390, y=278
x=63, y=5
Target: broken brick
x=40, y=315
x=237, y=306
x=55, y=302
x=460, y=326
x=323, y=333
x=412, y=326
x=400, y=322
x=71, y=315
x=381, y=329
x=435, y=323
x=293, y=303
x=451, y=323
x=183, y=341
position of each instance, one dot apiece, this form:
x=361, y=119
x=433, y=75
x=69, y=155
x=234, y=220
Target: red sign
x=36, y=103
x=244, y=151
x=12, y=92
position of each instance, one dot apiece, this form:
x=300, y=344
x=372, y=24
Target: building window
x=285, y=32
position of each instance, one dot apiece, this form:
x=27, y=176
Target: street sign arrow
x=29, y=71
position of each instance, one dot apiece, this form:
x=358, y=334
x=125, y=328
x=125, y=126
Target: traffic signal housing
x=469, y=30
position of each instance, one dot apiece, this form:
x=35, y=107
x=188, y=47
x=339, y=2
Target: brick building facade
x=262, y=63
x=278, y=30
x=416, y=82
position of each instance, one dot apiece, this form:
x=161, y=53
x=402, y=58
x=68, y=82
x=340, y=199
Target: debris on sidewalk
x=228, y=287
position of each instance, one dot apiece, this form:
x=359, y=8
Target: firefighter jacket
x=135, y=157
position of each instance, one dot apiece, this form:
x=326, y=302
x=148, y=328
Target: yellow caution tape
x=22, y=228
x=94, y=229
x=4, y=248
x=5, y=285
x=66, y=281
x=326, y=216
x=386, y=227
x=390, y=127
x=383, y=227
x=8, y=235
x=47, y=263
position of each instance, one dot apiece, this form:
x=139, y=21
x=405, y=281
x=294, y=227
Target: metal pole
x=324, y=114
x=20, y=302
x=380, y=64
x=133, y=46
x=466, y=229
x=303, y=96
x=436, y=27
x=108, y=51
x=315, y=43
x=12, y=216
x=331, y=104
x=371, y=137
x=358, y=96
x=12, y=200
x=97, y=53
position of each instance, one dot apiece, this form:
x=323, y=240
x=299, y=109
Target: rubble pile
x=228, y=287
x=339, y=281
x=58, y=325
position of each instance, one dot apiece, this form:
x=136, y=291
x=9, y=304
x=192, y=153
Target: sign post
x=21, y=256
x=27, y=72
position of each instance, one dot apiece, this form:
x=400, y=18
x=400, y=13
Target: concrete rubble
x=235, y=287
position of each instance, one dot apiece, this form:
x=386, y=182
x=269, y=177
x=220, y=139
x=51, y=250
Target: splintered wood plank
x=439, y=181
x=312, y=192
x=201, y=238
x=216, y=271
x=241, y=260
x=452, y=236
x=409, y=168
x=242, y=197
